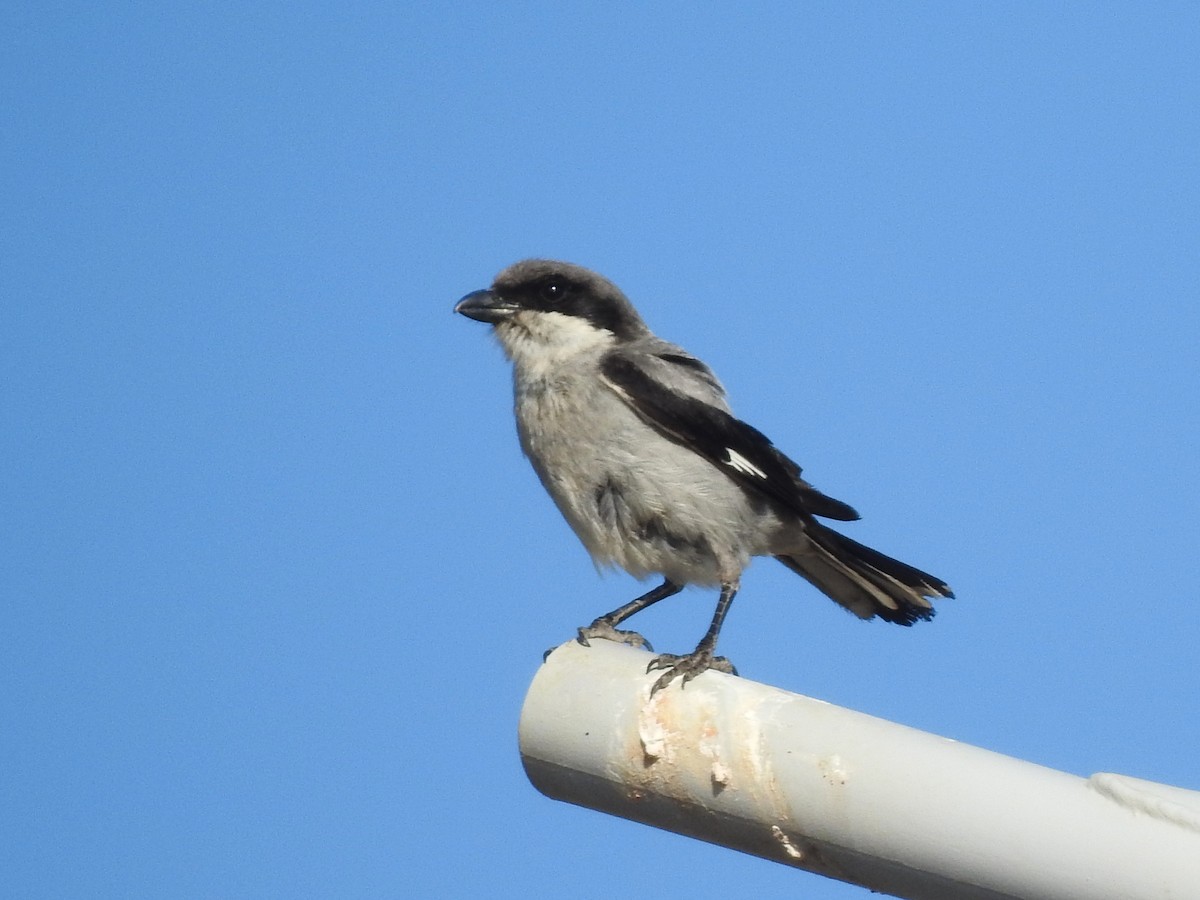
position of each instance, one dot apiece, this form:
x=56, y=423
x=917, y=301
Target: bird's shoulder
x=652, y=363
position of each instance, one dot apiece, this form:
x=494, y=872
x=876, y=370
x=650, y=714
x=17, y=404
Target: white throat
x=539, y=342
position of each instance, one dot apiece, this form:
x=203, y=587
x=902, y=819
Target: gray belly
x=636, y=499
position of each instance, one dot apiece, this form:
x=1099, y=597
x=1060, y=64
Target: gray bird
x=635, y=442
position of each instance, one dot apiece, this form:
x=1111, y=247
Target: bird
x=636, y=443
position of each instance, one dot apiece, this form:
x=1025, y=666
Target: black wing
x=741, y=451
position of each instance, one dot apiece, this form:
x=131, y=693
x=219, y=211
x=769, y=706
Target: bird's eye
x=553, y=291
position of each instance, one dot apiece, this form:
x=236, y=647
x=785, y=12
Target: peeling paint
x=833, y=769
x=651, y=732
x=789, y=846
x=1164, y=802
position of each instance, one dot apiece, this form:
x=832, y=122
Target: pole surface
x=843, y=794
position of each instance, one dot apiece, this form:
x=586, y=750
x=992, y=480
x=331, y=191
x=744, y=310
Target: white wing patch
x=743, y=465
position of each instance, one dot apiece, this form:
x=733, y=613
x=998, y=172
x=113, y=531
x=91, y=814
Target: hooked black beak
x=485, y=306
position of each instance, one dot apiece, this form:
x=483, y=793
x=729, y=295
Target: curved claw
x=689, y=666
x=605, y=631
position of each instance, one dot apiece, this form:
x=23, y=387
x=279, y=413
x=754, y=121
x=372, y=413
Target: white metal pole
x=847, y=795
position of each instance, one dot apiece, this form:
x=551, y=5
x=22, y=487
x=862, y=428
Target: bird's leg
x=606, y=626
x=701, y=659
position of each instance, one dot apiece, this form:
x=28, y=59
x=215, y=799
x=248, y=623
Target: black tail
x=863, y=580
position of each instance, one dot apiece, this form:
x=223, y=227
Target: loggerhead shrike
x=635, y=441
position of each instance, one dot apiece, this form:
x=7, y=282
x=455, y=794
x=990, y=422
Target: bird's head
x=551, y=310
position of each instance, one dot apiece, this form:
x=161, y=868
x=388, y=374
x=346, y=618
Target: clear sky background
x=274, y=574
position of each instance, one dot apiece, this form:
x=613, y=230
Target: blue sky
x=275, y=576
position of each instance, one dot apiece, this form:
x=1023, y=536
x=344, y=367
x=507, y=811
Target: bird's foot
x=604, y=630
x=689, y=666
